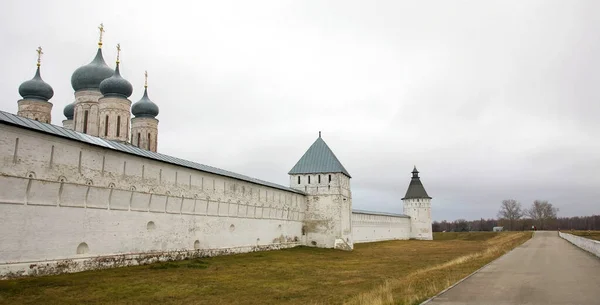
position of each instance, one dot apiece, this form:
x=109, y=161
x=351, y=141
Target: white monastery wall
x=370, y=227
x=58, y=193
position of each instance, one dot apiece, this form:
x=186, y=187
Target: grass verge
x=389, y=272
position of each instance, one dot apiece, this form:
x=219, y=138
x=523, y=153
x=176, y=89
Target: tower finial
x=101, y=28
x=319, y=133
x=118, y=52
x=39, y=59
x=145, y=79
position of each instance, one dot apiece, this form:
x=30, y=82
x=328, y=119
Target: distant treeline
x=562, y=223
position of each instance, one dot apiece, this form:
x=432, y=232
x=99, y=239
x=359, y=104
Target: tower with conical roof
x=114, y=106
x=144, y=126
x=417, y=205
x=86, y=83
x=326, y=182
x=36, y=94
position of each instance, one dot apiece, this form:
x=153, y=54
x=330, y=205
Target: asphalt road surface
x=544, y=270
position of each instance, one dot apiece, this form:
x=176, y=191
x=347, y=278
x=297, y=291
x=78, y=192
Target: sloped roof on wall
x=379, y=213
x=415, y=188
x=11, y=119
x=319, y=159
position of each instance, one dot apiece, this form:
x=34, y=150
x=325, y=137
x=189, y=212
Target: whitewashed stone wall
x=372, y=226
x=590, y=245
x=57, y=194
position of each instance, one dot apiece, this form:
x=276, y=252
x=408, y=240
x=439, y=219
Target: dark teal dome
x=36, y=88
x=144, y=107
x=116, y=85
x=69, y=111
x=91, y=75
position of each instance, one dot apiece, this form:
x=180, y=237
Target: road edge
x=470, y=275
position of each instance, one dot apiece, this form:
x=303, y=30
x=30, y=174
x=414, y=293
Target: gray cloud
x=490, y=99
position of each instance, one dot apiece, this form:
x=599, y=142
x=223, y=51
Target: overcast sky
x=489, y=99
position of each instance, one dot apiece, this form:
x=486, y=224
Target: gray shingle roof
x=11, y=119
x=379, y=213
x=319, y=159
x=415, y=188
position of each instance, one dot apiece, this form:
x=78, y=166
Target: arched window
x=118, y=126
x=149, y=141
x=319, y=178
x=85, y=121
x=138, y=140
x=298, y=179
x=106, y=126
x=329, y=178
x=308, y=179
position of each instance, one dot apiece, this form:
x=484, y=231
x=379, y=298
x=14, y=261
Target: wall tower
x=319, y=173
x=144, y=126
x=417, y=205
x=36, y=93
x=114, y=106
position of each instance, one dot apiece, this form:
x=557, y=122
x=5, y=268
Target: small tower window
x=329, y=178
x=138, y=139
x=106, y=126
x=118, y=126
x=298, y=179
x=85, y=121
x=149, y=141
x=319, y=178
x=308, y=179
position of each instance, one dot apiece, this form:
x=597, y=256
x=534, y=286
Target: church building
x=95, y=192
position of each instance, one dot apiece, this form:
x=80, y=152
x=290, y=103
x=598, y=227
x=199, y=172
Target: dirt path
x=544, y=270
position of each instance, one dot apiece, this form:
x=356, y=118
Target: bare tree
x=510, y=210
x=542, y=212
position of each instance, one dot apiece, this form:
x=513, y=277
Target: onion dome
x=91, y=75
x=116, y=85
x=144, y=107
x=69, y=111
x=36, y=88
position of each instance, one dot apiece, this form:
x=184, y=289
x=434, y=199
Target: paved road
x=544, y=270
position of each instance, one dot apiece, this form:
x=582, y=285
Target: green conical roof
x=319, y=159
x=415, y=188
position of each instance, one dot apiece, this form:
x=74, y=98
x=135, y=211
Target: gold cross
x=101, y=28
x=118, y=51
x=39, y=51
x=145, y=79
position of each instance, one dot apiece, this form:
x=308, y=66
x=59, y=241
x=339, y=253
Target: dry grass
x=595, y=235
x=418, y=286
x=404, y=272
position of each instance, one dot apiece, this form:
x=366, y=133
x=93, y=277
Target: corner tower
x=144, y=126
x=86, y=83
x=36, y=93
x=326, y=182
x=417, y=205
